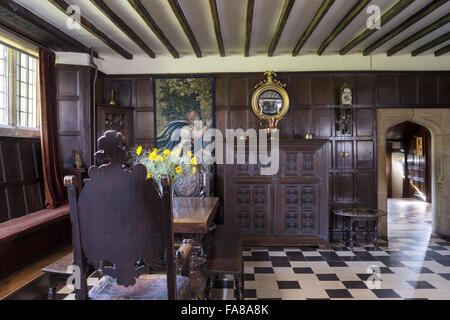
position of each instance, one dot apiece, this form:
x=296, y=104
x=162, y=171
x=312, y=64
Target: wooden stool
x=57, y=273
x=225, y=257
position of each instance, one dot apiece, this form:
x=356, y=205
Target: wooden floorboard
x=30, y=272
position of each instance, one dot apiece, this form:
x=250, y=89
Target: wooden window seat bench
x=26, y=238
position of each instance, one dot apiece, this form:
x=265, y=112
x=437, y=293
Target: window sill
x=23, y=132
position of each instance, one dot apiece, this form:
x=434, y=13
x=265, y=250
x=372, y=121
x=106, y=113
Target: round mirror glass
x=270, y=102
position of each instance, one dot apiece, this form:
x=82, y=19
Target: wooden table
x=194, y=215
x=193, y=218
x=353, y=215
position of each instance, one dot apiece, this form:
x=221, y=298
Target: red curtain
x=51, y=162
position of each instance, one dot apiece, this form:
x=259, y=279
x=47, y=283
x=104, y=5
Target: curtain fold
x=51, y=162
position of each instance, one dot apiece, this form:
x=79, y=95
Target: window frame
x=12, y=128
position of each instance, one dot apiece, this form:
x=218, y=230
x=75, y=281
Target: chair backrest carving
x=197, y=185
x=120, y=219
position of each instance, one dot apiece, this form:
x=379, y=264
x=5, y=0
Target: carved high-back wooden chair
x=123, y=225
x=196, y=185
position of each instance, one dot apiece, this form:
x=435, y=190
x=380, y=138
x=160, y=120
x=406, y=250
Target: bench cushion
x=147, y=287
x=14, y=227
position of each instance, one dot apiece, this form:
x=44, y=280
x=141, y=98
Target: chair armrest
x=184, y=251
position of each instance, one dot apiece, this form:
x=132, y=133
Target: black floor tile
x=337, y=264
x=354, y=284
x=279, y=258
x=281, y=264
x=446, y=276
x=288, y=285
x=420, y=270
x=327, y=277
x=295, y=256
x=249, y=277
x=303, y=270
x=330, y=256
x=260, y=256
x=250, y=293
x=263, y=269
x=314, y=258
x=421, y=284
x=338, y=293
x=385, y=293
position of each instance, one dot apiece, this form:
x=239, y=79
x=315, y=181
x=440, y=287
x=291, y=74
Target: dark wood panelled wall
x=313, y=95
x=21, y=180
x=74, y=95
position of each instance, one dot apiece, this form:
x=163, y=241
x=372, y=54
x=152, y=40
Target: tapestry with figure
x=181, y=105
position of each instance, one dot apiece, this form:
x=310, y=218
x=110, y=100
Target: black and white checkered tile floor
x=411, y=265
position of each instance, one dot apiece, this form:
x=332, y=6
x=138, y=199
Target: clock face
x=270, y=102
x=346, y=96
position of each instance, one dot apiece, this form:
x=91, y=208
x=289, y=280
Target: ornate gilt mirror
x=270, y=101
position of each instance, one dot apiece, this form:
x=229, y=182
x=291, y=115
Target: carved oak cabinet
x=288, y=208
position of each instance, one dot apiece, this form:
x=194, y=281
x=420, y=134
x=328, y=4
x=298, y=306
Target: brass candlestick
x=112, y=101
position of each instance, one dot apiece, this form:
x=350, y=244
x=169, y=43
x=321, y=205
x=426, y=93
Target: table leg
x=375, y=235
x=350, y=228
x=52, y=287
x=239, y=286
x=210, y=286
x=197, y=277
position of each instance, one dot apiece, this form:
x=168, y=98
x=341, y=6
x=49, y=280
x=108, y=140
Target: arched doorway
x=436, y=121
x=409, y=180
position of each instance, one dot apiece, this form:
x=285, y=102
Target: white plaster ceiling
x=232, y=15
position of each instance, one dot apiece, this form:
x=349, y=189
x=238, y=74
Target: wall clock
x=344, y=115
x=270, y=101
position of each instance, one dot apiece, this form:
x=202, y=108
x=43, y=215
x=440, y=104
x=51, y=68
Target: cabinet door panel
x=299, y=209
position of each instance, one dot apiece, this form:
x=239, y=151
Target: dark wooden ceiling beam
x=431, y=44
x=405, y=25
x=248, y=26
x=119, y=23
x=36, y=27
x=62, y=5
x=282, y=19
x=419, y=34
x=217, y=29
x=178, y=11
x=148, y=19
x=321, y=12
x=442, y=51
x=398, y=7
x=357, y=8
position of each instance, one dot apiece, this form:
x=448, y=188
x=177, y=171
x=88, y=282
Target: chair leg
x=239, y=286
x=52, y=287
x=210, y=287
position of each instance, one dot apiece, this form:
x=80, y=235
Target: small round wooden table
x=350, y=216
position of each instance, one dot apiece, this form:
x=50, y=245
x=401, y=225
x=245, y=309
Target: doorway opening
x=408, y=180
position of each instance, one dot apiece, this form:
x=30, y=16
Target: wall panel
x=314, y=98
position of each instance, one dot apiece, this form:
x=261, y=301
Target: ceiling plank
x=63, y=6
x=282, y=19
x=357, y=8
x=442, y=51
x=185, y=25
x=218, y=31
x=321, y=12
x=398, y=7
x=39, y=28
x=419, y=34
x=431, y=44
x=248, y=26
x=405, y=25
x=148, y=19
x=119, y=23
